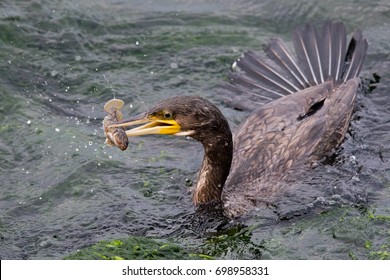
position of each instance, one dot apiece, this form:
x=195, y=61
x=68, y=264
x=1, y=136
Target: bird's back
x=304, y=111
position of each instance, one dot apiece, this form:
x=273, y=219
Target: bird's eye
x=167, y=114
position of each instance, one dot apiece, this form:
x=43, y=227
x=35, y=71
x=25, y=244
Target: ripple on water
x=63, y=189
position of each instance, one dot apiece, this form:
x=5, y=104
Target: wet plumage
x=302, y=106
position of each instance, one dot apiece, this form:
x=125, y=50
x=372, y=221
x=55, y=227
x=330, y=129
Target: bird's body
x=303, y=112
x=289, y=140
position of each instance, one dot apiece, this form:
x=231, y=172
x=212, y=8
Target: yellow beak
x=152, y=125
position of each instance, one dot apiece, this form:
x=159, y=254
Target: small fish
x=115, y=136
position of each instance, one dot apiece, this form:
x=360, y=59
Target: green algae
x=135, y=248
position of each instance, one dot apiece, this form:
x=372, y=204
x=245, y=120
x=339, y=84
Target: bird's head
x=181, y=116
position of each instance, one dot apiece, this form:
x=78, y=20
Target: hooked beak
x=151, y=125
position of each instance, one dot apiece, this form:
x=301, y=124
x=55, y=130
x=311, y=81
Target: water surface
x=62, y=189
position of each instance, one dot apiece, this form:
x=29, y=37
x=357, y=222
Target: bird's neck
x=215, y=168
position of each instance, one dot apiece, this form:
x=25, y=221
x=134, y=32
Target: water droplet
x=356, y=178
x=336, y=196
x=57, y=129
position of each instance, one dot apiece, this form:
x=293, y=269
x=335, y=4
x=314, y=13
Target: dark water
x=63, y=189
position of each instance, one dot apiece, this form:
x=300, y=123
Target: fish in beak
x=149, y=124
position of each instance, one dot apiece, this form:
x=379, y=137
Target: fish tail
x=113, y=105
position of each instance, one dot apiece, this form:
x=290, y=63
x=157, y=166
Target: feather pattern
x=256, y=67
x=301, y=40
x=279, y=53
x=340, y=34
x=321, y=54
x=327, y=51
x=356, y=51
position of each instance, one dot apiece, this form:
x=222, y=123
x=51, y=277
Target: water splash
x=107, y=79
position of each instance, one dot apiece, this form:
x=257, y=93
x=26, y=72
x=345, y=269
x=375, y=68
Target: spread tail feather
x=321, y=54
